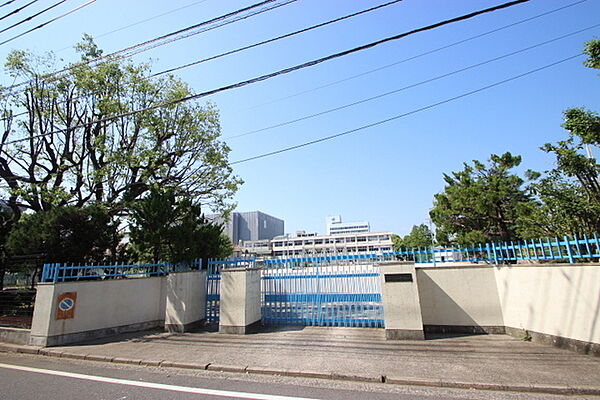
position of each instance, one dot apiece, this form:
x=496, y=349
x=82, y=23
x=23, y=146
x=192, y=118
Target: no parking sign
x=65, y=305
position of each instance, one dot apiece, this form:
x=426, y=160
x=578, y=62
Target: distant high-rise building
x=253, y=225
x=335, y=226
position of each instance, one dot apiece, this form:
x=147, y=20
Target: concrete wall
x=14, y=335
x=186, y=300
x=455, y=297
x=176, y=301
x=102, y=307
x=556, y=300
x=556, y=304
x=401, y=303
x=240, y=300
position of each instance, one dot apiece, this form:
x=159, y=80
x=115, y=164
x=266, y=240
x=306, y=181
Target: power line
x=48, y=22
x=213, y=23
x=275, y=38
x=7, y=3
x=150, y=19
x=419, y=55
x=182, y=35
x=256, y=44
x=33, y=16
x=140, y=22
x=384, y=121
x=288, y=70
x=354, y=76
x=279, y=125
x=17, y=10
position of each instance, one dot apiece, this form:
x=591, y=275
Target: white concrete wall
x=233, y=298
x=459, y=296
x=240, y=297
x=253, y=310
x=99, y=305
x=186, y=298
x=401, y=303
x=560, y=300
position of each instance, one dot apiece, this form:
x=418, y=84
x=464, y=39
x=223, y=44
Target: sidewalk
x=497, y=362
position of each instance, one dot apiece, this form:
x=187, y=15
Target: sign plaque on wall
x=65, y=305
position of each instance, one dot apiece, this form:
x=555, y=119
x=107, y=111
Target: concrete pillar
x=240, y=300
x=43, y=314
x=401, y=304
x=185, y=306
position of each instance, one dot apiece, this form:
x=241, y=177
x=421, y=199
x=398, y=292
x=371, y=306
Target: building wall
x=269, y=227
x=253, y=225
x=371, y=242
x=558, y=300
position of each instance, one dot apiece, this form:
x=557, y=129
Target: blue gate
x=322, y=291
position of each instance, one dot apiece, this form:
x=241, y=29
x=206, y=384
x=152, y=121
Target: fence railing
x=570, y=249
x=16, y=308
x=567, y=249
x=57, y=272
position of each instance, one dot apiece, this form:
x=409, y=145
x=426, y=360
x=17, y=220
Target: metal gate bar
x=322, y=291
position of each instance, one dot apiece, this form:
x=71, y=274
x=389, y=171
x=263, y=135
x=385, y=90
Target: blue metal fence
x=569, y=249
x=322, y=291
x=57, y=272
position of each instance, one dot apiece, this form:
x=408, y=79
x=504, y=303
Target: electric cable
x=415, y=111
x=257, y=44
x=7, y=3
x=48, y=22
x=303, y=118
x=33, y=16
x=369, y=71
x=275, y=38
x=17, y=10
x=417, y=56
x=216, y=22
x=288, y=70
x=146, y=20
x=157, y=43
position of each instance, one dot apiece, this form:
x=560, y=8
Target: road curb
x=546, y=389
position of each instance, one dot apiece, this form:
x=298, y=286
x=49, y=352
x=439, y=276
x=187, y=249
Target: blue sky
x=387, y=174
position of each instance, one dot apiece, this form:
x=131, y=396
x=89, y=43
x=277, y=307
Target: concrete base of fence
x=182, y=328
x=578, y=346
x=240, y=330
x=14, y=335
x=240, y=300
x=465, y=329
x=401, y=304
x=404, y=334
x=59, y=340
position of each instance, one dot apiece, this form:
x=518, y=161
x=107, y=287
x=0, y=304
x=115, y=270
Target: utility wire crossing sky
x=480, y=83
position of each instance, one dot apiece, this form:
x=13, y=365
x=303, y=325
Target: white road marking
x=151, y=385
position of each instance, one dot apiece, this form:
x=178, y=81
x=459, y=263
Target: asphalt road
x=37, y=377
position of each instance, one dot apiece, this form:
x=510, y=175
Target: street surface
x=38, y=377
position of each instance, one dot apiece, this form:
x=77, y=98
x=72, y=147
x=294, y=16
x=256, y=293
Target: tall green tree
x=568, y=196
x=168, y=227
x=419, y=236
x=83, y=144
x=480, y=203
x=66, y=234
x=7, y=221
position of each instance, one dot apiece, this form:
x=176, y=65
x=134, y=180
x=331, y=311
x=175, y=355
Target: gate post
x=185, y=305
x=401, y=304
x=240, y=311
